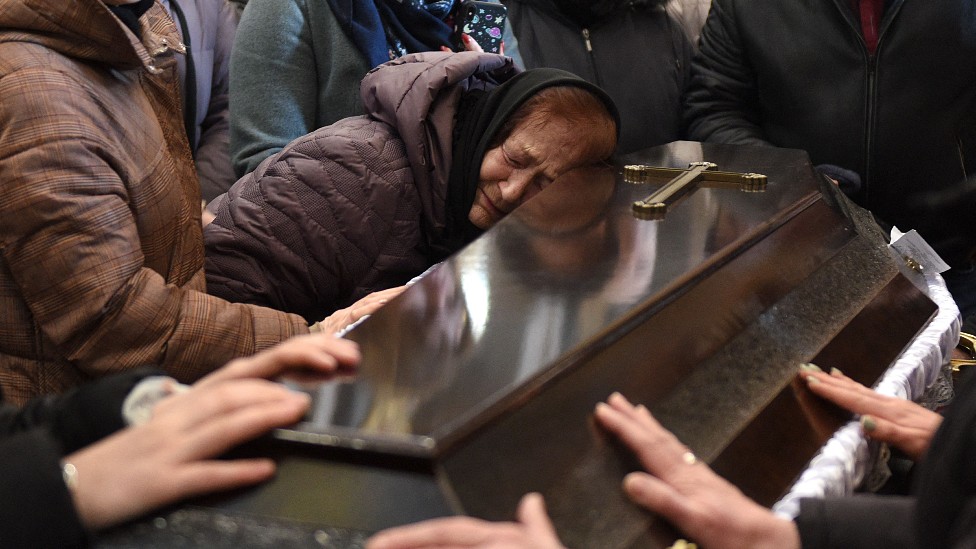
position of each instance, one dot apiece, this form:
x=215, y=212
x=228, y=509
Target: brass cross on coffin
x=682, y=182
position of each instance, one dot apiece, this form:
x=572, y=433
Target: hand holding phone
x=482, y=21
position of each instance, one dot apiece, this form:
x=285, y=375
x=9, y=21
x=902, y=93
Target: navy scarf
x=385, y=29
x=129, y=14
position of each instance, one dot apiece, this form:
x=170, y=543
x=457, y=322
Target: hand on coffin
x=532, y=531
x=686, y=491
x=317, y=353
x=364, y=307
x=898, y=422
x=168, y=458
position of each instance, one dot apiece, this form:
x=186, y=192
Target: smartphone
x=483, y=21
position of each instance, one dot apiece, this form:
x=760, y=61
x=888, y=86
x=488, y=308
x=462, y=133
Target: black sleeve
x=969, y=324
x=721, y=103
x=36, y=509
x=79, y=417
x=861, y=521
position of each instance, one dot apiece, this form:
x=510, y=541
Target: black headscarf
x=480, y=115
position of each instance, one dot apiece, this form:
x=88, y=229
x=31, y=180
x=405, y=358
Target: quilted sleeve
x=721, y=103
x=300, y=232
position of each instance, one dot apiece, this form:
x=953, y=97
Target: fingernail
x=810, y=367
x=868, y=424
x=382, y=302
x=836, y=372
x=812, y=380
x=466, y=38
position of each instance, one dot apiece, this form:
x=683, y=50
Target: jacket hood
x=86, y=30
x=418, y=94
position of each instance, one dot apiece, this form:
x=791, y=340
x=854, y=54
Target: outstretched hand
x=317, y=353
x=364, y=307
x=686, y=491
x=898, y=422
x=532, y=531
x=169, y=458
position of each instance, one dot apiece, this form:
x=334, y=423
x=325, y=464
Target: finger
x=501, y=48
x=913, y=441
x=332, y=350
x=390, y=293
x=445, y=532
x=222, y=433
x=532, y=514
x=203, y=477
x=470, y=44
x=656, y=448
x=850, y=396
x=641, y=418
x=836, y=378
x=231, y=414
x=202, y=402
x=656, y=495
x=637, y=413
x=319, y=352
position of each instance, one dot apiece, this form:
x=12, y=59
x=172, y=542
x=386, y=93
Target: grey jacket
x=353, y=207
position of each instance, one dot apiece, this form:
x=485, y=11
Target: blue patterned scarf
x=386, y=29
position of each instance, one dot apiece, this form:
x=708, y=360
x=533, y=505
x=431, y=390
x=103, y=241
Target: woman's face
x=532, y=157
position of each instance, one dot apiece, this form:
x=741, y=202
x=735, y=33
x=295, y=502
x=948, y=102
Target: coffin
x=478, y=383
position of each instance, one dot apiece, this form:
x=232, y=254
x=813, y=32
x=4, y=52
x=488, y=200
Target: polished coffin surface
x=569, y=272
x=478, y=383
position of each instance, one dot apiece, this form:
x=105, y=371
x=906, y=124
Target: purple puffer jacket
x=350, y=208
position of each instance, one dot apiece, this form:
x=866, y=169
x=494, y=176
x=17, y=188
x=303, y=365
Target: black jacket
x=797, y=74
x=36, y=509
x=639, y=55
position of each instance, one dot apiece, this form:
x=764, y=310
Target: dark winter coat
x=36, y=509
x=638, y=54
x=798, y=75
x=354, y=207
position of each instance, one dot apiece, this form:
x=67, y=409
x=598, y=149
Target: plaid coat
x=101, y=251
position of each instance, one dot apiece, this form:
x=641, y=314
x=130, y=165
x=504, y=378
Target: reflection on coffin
x=478, y=383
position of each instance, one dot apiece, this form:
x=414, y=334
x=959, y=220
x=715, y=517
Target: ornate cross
x=682, y=182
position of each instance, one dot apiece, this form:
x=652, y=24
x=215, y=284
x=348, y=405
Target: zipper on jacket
x=870, y=106
x=589, y=53
x=872, y=100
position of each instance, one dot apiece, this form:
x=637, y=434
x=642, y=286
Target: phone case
x=483, y=21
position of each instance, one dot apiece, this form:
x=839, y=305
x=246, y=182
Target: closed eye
x=512, y=161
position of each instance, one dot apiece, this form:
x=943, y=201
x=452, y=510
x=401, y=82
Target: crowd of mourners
x=198, y=194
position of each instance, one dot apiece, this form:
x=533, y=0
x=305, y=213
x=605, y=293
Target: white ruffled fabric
x=848, y=458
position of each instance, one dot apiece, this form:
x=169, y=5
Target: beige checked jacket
x=101, y=252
